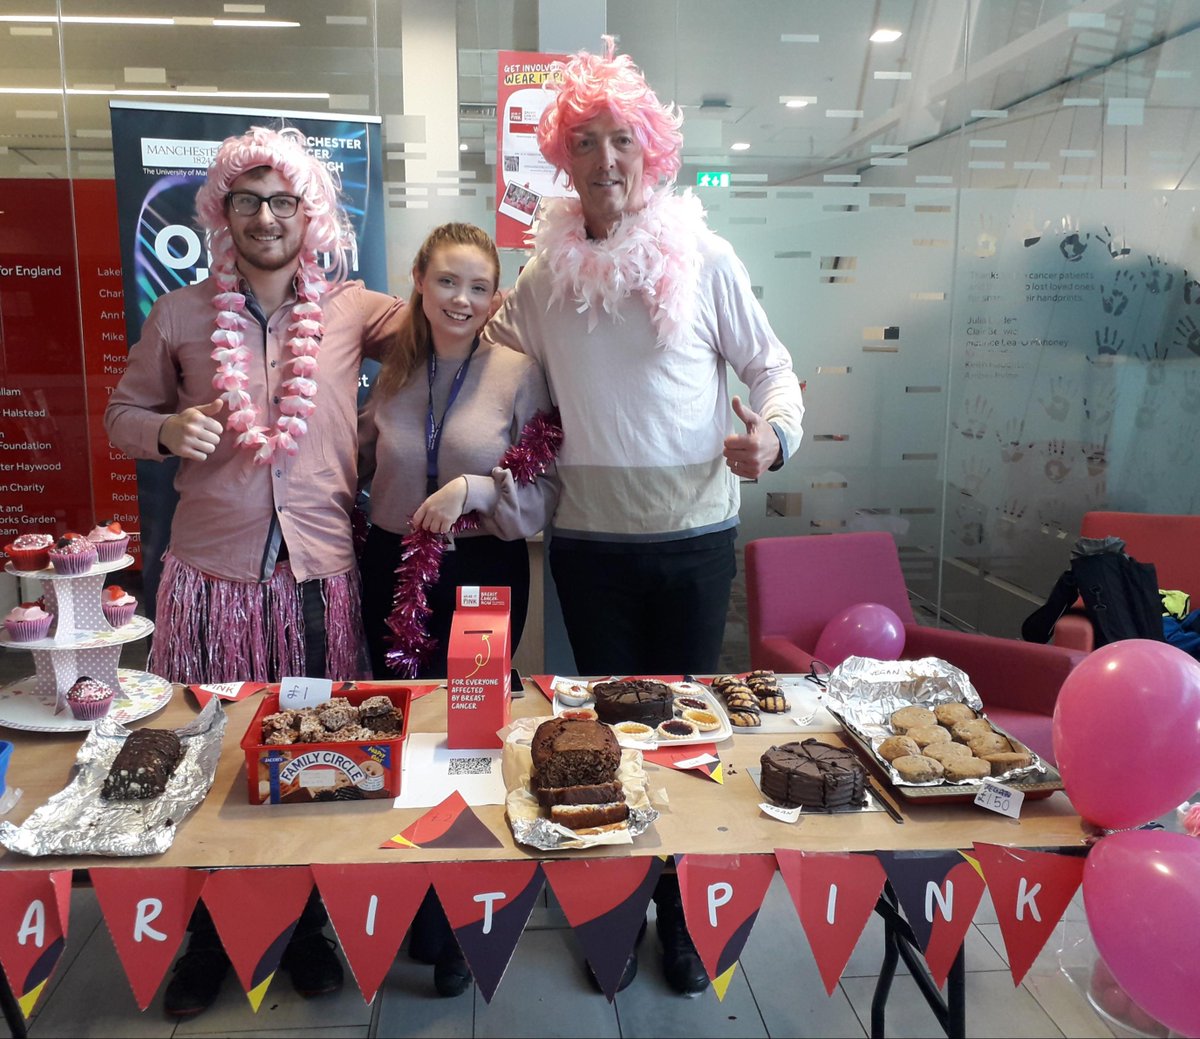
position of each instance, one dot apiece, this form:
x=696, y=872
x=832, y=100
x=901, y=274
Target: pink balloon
x=1141, y=891
x=1127, y=732
x=866, y=629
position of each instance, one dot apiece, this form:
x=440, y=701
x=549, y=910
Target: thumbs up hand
x=752, y=453
x=194, y=433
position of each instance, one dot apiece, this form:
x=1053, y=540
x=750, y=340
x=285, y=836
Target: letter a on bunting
x=34, y=911
x=722, y=895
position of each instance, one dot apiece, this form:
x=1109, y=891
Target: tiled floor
x=776, y=991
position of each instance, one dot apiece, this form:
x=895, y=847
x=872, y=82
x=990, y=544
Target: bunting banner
x=255, y=912
x=721, y=898
x=939, y=892
x=834, y=895
x=1030, y=891
x=35, y=908
x=696, y=757
x=488, y=905
x=605, y=903
x=147, y=910
x=371, y=906
x=451, y=824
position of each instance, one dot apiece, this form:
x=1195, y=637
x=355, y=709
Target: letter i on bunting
x=147, y=910
x=488, y=905
x=722, y=895
x=35, y=907
x=255, y=912
x=371, y=907
x=605, y=903
x=939, y=892
x=1030, y=890
x=834, y=895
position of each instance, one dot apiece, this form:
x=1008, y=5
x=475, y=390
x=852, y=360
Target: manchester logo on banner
x=34, y=911
x=834, y=895
x=371, y=907
x=605, y=903
x=147, y=912
x=721, y=898
x=1030, y=891
x=488, y=905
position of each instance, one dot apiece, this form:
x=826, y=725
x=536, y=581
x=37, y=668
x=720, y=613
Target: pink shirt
x=222, y=525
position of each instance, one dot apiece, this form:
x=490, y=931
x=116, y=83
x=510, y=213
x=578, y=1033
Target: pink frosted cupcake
x=28, y=622
x=118, y=605
x=30, y=551
x=110, y=541
x=89, y=699
x=73, y=554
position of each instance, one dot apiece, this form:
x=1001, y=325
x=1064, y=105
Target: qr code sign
x=470, y=766
x=512, y=163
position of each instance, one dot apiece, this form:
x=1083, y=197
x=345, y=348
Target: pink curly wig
x=592, y=85
x=283, y=150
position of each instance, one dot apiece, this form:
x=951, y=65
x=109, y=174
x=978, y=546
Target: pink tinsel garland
x=421, y=559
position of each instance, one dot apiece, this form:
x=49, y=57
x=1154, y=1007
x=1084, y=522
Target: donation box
x=478, y=676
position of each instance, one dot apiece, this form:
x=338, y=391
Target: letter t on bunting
x=147, y=910
x=34, y=910
x=722, y=895
x=834, y=895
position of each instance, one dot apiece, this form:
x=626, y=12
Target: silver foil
x=864, y=693
x=77, y=821
x=544, y=835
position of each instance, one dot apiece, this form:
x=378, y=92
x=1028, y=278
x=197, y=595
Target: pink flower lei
x=233, y=359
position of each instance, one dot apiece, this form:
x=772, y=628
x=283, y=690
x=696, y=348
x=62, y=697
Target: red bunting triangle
x=451, y=824
x=371, y=907
x=834, y=895
x=605, y=903
x=147, y=910
x=35, y=908
x=722, y=895
x=1030, y=890
x=939, y=892
x=255, y=912
x=488, y=905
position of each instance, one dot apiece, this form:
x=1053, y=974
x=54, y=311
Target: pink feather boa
x=654, y=252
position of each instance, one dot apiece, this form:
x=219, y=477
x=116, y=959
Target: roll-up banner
x=161, y=154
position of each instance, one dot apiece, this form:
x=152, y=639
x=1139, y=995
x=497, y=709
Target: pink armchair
x=795, y=585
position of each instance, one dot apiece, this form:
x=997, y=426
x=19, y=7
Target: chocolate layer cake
x=574, y=752
x=812, y=774
x=143, y=765
x=634, y=700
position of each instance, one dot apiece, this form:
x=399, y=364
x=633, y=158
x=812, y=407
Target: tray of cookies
x=922, y=724
x=763, y=701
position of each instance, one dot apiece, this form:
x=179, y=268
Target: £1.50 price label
x=996, y=797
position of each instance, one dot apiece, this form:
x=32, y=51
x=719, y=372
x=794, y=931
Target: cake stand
x=81, y=642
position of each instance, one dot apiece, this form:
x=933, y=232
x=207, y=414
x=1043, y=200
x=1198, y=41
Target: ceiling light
x=885, y=35
x=464, y=147
x=740, y=146
x=270, y=95
x=797, y=102
x=89, y=19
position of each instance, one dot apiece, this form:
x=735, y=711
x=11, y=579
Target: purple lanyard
x=434, y=427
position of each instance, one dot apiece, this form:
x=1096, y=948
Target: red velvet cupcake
x=30, y=551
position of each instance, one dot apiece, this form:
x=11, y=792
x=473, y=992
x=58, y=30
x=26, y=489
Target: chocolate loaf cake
x=145, y=762
x=574, y=752
x=585, y=815
x=634, y=700
x=812, y=774
x=592, y=793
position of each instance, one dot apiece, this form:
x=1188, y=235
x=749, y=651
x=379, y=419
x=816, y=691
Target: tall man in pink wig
x=259, y=580
x=636, y=311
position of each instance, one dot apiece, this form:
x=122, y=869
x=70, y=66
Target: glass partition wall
x=974, y=223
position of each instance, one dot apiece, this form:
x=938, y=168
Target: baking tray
x=1034, y=787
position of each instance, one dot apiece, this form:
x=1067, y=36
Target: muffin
x=109, y=540
x=89, y=699
x=73, y=554
x=28, y=622
x=30, y=551
x=118, y=605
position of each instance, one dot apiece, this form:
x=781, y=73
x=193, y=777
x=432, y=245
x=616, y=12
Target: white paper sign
x=295, y=693
x=996, y=797
x=784, y=815
x=223, y=690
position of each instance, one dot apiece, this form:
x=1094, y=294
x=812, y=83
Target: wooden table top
x=697, y=816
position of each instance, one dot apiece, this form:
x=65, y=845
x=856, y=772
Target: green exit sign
x=712, y=179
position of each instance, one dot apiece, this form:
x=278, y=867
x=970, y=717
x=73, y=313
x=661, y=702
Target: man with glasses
x=259, y=580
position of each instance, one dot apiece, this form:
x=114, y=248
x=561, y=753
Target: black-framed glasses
x=247, y=203
x=818, y=674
